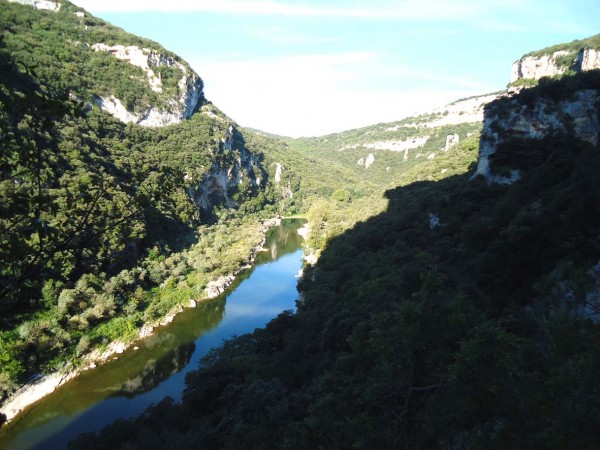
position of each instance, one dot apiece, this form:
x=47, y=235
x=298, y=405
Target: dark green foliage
x=95, y=215
x=574, y=46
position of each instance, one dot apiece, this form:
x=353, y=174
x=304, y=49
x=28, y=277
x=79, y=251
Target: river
x=127, y=385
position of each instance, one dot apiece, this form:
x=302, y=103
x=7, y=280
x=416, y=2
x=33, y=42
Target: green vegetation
x=443, y=312
x=101, y=229
x=573, y=47
x=57, y=47
x=474, y=330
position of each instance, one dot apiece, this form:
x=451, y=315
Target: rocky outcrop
x=556, y=63
x=175, y=108
x=227, y=171
x=366, y=162
x=468, y=110
x=588, y=59
x=39, y=4
x=218, y=286
x=537, y=67
x=451, y=141
x=577, y=115
x=278, y=173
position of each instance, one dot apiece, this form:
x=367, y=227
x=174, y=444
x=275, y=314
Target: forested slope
x=105, y=226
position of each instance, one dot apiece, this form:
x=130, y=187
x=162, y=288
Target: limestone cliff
x=536, y=113
x=133, y=79
x=553, y=63
x=177, y=107
x=39, y=4
x=233, y=169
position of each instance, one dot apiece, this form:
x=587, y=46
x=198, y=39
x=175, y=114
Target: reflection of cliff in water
x=180, y=344
x=282, y=240
x=156, y=371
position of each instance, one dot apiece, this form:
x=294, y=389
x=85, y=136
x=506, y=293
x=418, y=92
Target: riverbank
x=46, y=384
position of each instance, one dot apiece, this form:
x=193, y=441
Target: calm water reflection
x=128, y=385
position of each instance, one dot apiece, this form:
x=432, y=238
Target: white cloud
x=408, y=9
x=313, y=95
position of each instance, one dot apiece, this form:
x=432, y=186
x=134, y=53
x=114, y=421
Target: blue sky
x=301, y=68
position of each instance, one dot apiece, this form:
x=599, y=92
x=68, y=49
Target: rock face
x=557, y=63
x=577, y=115
x=451, y=141
x=278, y=173
x=217, y=287
x=39, y=4
x=366, y=162
x=588, y=59
x=177, y=108
x=226, y=172
x=537, y=67
x=468, y=110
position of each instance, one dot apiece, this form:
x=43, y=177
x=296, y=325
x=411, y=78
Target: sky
x=309, y=68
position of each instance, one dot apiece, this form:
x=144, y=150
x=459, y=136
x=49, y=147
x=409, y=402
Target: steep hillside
x=464, y=316
x=106, y=225
x=386, y=155
x=76, y=54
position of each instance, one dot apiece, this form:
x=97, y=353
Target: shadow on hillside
x=429, y=325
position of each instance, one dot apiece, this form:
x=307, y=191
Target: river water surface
x=126, y=386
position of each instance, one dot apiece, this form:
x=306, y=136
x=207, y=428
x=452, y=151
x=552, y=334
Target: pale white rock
x=39, y=4
x=167, y=319
x=115, y=108
x=79, y=13
x=278, y=172
x=451, y=141
x=469, y=110
x=398, y=145
x=218, y=286
x=369, y=161
x=431, y=156
x=227, y=141
x=192, y=303
x=537, y=67
x=146, y=331
x=220, y=178
x=577, y=114
x=32, y=392
x=150, y=61
x=361, y=162
x=588, y=59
